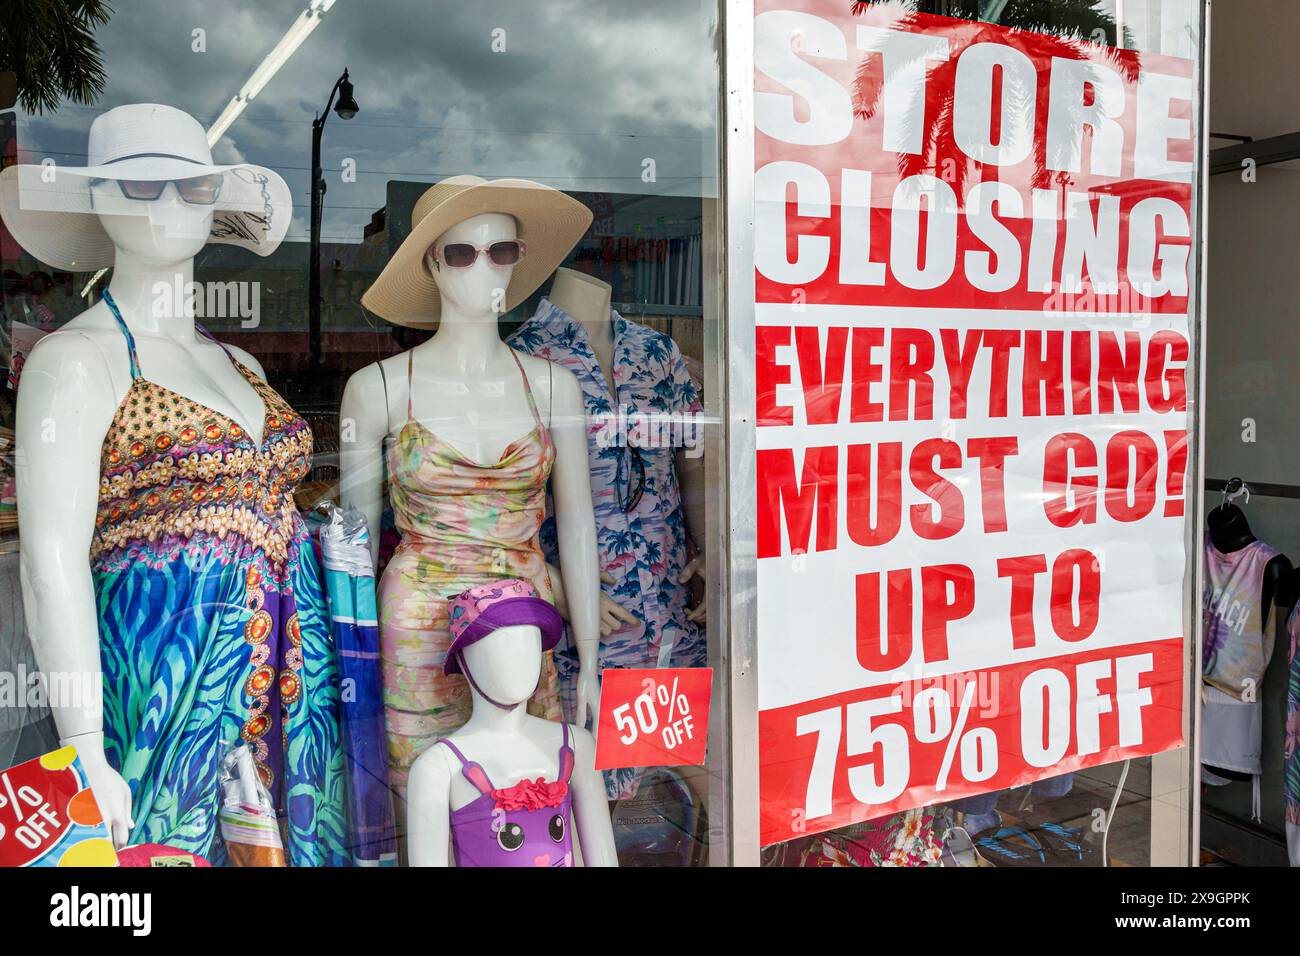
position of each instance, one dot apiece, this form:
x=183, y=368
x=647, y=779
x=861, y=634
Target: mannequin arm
x=363, y=425
x=690, y=480
x=590, y=804
x=689, y=464
x=1275, y=574
x=65, y=406
x=428, y=812
x=1288, y=591
x=575, y=527
x=613, y=616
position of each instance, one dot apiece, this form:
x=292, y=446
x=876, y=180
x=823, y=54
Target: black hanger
x=1227, y=524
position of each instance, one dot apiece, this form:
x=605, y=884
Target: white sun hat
x=48, y=207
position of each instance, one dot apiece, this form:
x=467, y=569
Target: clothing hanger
x=1233, y=489
x=1227, y=524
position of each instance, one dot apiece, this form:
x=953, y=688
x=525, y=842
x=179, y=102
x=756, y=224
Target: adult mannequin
x=73, y=382
x=167, y=459
x=588, y=300
x=464, y=395
x=511, y=745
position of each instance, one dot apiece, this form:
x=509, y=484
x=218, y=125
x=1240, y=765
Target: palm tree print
x=645, y=550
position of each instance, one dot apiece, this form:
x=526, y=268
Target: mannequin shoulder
x=81, y=354
x=248, y=361
x=67, y=382
x=383, y=374
x=552, y=380
x=584, y=744
x=432, y=769
x=369, y=387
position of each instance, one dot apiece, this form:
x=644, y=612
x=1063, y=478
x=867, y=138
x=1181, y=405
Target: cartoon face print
x=533, y=837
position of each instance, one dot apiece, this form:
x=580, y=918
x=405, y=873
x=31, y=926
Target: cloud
x=579, y=97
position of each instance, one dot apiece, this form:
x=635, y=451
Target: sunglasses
x=462, y=255
x=631, y=496
x=197, y=190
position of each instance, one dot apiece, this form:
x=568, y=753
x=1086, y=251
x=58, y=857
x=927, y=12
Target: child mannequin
x=507, y=788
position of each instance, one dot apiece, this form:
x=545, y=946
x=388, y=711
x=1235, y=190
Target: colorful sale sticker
x=653, y=717
x=48, y=816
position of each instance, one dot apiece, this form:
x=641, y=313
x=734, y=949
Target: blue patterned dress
x=212, y=620
x=643, y=543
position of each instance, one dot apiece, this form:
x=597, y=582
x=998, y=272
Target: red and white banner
x=973, y=271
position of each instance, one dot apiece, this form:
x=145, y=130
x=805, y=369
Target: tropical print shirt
x=643, y=542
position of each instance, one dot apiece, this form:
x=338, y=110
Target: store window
x=1250, y=794
x=926, y=177
x=346, y=342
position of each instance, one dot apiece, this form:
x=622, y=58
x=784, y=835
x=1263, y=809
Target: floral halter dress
x=463, y=523
x=212, y=619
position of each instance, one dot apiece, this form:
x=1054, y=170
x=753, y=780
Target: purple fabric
x=485, y=833
x=507, y=613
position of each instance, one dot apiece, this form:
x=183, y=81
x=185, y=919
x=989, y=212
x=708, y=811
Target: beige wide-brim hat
x=550, y=224
x=48, y=208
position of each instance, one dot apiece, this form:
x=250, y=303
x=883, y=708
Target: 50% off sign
x=653, y=717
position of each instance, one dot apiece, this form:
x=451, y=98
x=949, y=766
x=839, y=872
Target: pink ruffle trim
x=531, y=795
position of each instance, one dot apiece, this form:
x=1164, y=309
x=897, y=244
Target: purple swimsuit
x=528, y=824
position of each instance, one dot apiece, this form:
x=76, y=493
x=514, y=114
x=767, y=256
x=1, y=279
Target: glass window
x=457, y=364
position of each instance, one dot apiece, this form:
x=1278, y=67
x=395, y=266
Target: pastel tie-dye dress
x=1238, y=644
x=463, y=523
x=212, y=619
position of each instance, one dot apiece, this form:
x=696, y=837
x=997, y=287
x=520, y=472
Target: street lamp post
x=346, y=108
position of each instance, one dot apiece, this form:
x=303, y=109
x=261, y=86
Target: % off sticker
x=653, y=717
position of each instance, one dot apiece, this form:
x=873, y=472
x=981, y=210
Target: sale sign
x=972, y=275
x=49, y=817
x=653, y=717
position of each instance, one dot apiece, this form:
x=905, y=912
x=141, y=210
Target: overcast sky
x=582, y=94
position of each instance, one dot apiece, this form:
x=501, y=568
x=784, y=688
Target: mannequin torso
x=1230, y=531
x=480, y=407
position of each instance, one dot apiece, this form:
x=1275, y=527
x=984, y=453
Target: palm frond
x=50, y=46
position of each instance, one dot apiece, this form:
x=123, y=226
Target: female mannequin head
x=478, y=290
x=164, y=231
x=507, y=663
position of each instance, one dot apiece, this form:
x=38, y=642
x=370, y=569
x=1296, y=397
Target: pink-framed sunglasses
x=462, y=255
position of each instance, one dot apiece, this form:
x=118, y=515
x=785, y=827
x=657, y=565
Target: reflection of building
x=279, y=337
x=647, y=247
